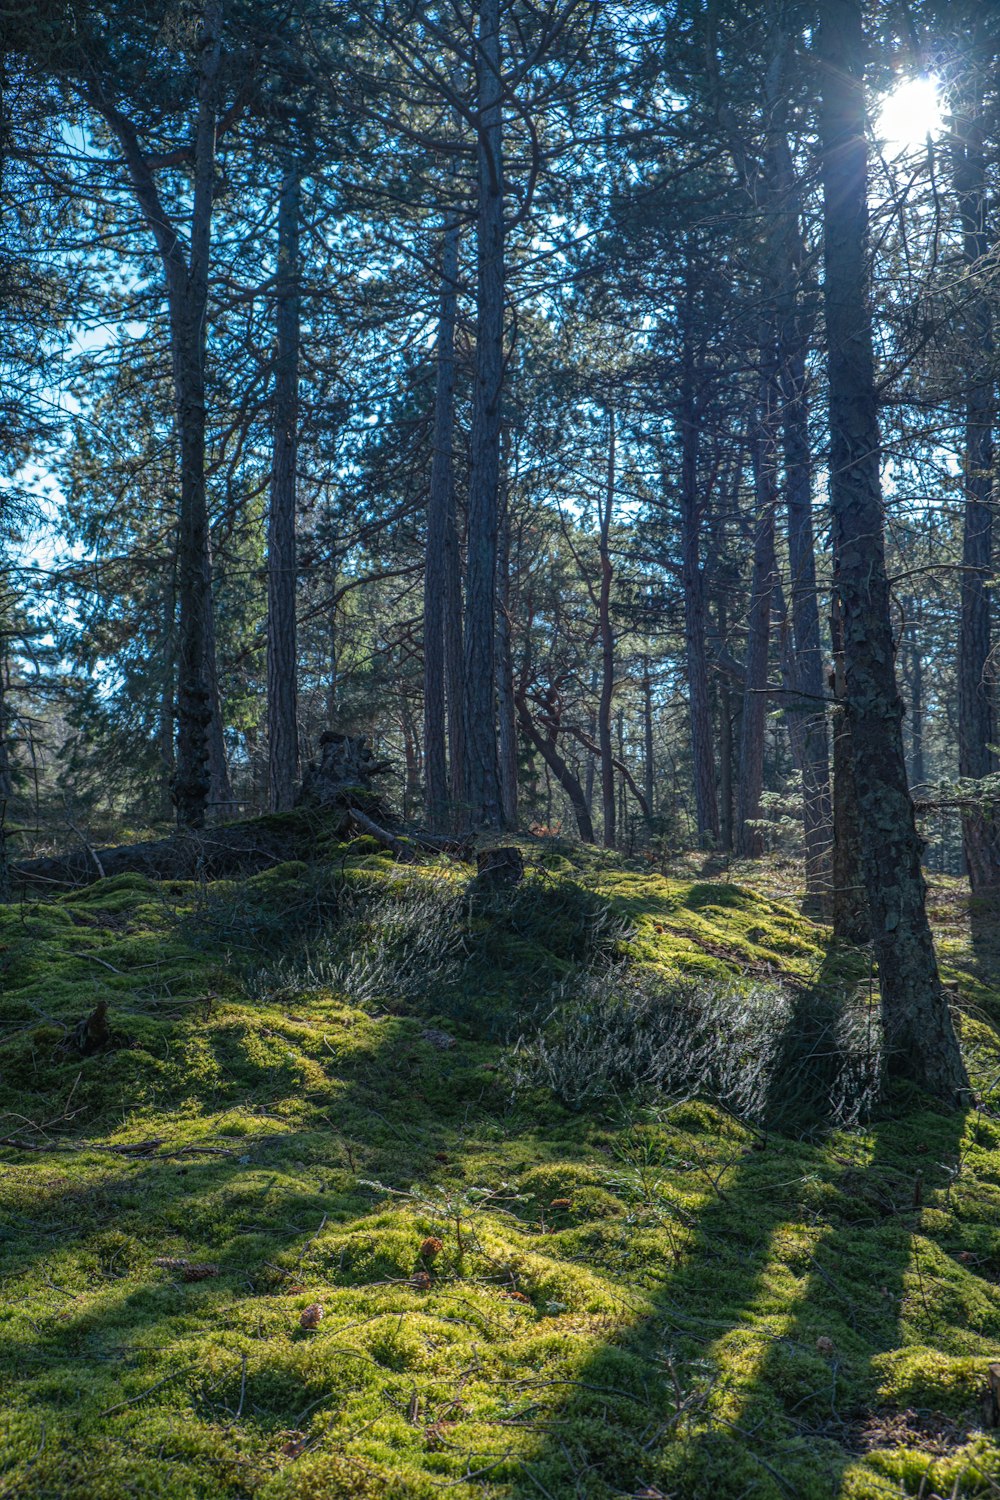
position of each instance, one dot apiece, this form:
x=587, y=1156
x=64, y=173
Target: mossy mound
x=642, y=1297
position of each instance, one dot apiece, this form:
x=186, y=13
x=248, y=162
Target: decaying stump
x=343, y=775
x=499, y=869
x=991, y=1397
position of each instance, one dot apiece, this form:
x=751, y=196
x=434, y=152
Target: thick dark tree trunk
x=607, y=637
x=440, y=518
x=920, y=1041
x=977, y=726
x=282, y=572
x=482, y=774
x=848, y=899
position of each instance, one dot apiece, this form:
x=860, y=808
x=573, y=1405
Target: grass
x=644, y=1296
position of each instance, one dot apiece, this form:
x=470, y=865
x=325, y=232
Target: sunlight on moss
x=651, y=1294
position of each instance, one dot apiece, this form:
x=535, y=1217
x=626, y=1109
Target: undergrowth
x=765, y=1055
x=306, y=1103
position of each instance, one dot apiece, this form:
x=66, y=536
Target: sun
x=908, y=115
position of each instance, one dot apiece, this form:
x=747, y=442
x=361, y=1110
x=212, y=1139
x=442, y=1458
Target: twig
x=109, y=1411
x=312, y=1240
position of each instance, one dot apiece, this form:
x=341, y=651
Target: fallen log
x=337, y=795
x=228, y=852
x=231, y=852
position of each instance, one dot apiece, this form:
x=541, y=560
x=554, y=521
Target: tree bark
x=920, y=1041
x=6, y=775
x=976, y=714
x=848, y=901
x=693, y=585
x=916, y=770
x=804, y=598
x=506, y=708
x=750, y=784
x=648, y=764
x=482, y=773
x=605, y=511
x=440, y=517
x=282, y=573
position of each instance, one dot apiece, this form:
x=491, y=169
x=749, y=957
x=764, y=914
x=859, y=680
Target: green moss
x=653, y=1298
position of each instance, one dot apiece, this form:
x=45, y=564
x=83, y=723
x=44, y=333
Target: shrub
x=764, y=1055
x=424, y=942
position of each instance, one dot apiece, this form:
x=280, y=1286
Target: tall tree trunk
x=221, y=802
x=648, y=766
x=605, y=511
x=6, y=775
x=282, y=572
x=506, y=709
x=454, y=662
x=482, y=776
x=976, y=715
x=165, y=728
x=750, y=785
x=693, y=584
x=439, y=559
x=804, y=601
x=187, y=300
x=916, y=771
x=848, y=899
x=920, y=1041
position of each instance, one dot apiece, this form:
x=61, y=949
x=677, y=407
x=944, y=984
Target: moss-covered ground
x=650, y=1298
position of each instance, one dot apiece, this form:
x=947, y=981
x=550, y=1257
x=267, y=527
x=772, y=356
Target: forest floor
x=312, y=1078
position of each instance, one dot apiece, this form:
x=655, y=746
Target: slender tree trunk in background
x=916, y=771
x=605, y=511
x=454, y=664
x=693, y=584
x=590, y=776
x=282, y=571
x=333, y=647
x=805, y=620
x=482, y=774
x=411, y=762
x=165, y=729
x=920, y=1041
x=622, y=804
x=726, y=766
x=648, y=766
x=546, y=747
x=750, y=784
x=221, y=802
x=439, y=559
x=6, y=775
x=187, y=297
x=976, y=716
x=506, y=711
